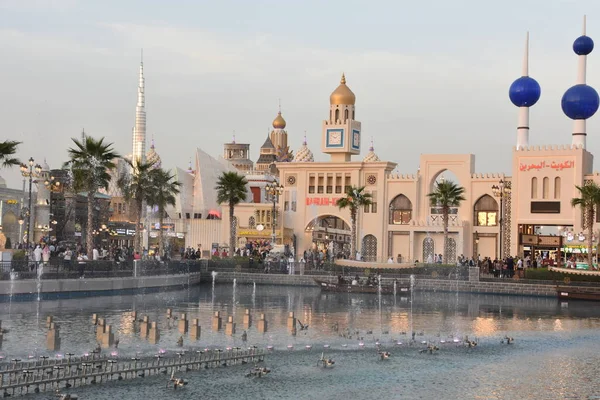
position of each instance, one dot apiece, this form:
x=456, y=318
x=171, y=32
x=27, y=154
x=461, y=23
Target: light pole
x=30, y=171
x=273, y=191
x=476, y=249
x=501, y=191
x=53, y=186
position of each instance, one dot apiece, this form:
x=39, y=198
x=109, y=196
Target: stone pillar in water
x=100, y=329
x=195, y=329
x=95, y=319
x=247, y=319
x=216, y=321
x=169, y=313
x=144, y=327
x=261, y=325
x=53, y=337
x=108, y=338
x=134, y=316
x=230, y=326
x=183, y=324
x=291, y=321
x=153, y=333
x=49, y=320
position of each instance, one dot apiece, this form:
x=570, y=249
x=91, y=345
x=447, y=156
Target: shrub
x=8, y=244
x=19, y=255
x=543, y=274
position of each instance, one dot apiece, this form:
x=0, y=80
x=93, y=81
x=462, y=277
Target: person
x=46, y=254
x=390, y=260
x=67, y=258
x=358, y=256
x=95, y=254
x=37, y=256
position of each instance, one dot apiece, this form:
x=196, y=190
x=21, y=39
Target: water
x=40, y=272
x=412, y=293
x=13, y=276
x=555, y=354
x=394, y=288
x=214, y=279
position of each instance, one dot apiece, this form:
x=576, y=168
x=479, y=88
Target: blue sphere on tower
x=583, y=45
x=524, y=92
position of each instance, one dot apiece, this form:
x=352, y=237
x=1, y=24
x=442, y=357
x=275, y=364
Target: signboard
x=12, y=201
x=555, y=165
x=254, y=232
x=322, y=201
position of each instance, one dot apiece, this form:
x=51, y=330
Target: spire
x=152, y=142
x=526, y=57
x=233, y=137
x=343, y=80
x=139, y=130
x=190, y=166
x=371, y=148
x=304, y=142
x=82, y=134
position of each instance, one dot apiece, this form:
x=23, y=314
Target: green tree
x=8, y=148
x=446, y=195
x=231, y=190
x=354, y=198
x=136, y=187
x=164, y=189
x=90, y=163
x=8, y=244
x=590, y=198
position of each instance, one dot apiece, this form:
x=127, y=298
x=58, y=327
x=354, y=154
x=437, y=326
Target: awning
x=214, y=213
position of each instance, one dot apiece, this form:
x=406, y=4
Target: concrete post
x=169, y=313
x=153, y=334
x=100, y=329
x=49, y=320
x=144, y=327
x=216, y=321
x=195, y=329
x=108, y=338
x=261, y=326
x=247, y=319
x=291, y=321
x=137, y=265
x=183, y=324
x=230, y=326
x=134, y=315
x=95, y=319
x=473, y=274
x=53, y=337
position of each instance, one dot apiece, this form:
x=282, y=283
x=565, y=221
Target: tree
x=8, y=244
x=164, y=189
x=354, y=198
x=447, y=194
x=136, y=186
x=90, y=163
x=590, y=198
x=231, y=189
x=7, y=150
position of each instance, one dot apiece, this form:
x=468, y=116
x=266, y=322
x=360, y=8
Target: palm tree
x=7, y=149
x=590, y=198
x=231, y=189
x=136, y=186
x=447, y=194
x=354, y=198
x=164, y=189
x=90, y=163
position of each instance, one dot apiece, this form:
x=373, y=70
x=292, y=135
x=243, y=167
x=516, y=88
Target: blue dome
x=583, y=45
x=580, y=102
x=524, y=92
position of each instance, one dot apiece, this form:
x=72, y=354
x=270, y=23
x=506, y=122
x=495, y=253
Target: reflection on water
x=555, y=348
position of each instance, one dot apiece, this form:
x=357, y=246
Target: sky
x=430, y=76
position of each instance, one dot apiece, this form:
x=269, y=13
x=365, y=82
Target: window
x=311, y=184
x=337, y=115
x=545, y=187
x=400, y=210
x=338, y=184
x=534, y=188
x=374, y=201
x=320, y=187
x=486, y=211
x=187, y=215
x=329, y=188
x=346, y=115
x=557, y=188
x=251, y=223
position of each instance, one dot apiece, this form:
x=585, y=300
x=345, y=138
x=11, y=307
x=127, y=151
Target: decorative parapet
x=552, y=147
x=489, y=176
x=402, y=177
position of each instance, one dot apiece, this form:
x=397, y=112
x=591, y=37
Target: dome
x=583, y=45
x=371, y=156
x=524, y=92
x=342, y=94
x=304, y=154
x=279, y=122
x=580, y=102
x=152, y=157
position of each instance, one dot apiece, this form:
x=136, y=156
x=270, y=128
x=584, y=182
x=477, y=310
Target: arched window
x=346, y=115
x=534, y=187
x=337, y=115
x=557, y=188
x=428, y=250
x=486, y=211
x=251, y=223
x=545, y=188
x=353, y=115
x=400, y=210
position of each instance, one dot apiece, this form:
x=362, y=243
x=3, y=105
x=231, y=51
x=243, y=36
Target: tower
x=278, y=135
x=238, y=155
x=267, y=155
x=581, y=101
x=524, y=93
x=139, y=130
x=341, y=132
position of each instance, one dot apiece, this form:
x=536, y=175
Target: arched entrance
x=369, y=248
x=330, y=236
x=428, y=250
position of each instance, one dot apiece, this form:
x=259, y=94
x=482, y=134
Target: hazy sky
x=429, y=76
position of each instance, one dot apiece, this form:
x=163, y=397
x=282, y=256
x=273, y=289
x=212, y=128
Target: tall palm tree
x=446, y=195
x=90, y=163
x=136, y=186
x=164, y=188
x=231, y=189
x=7, y=150
x=354, y=198
x=589, y=200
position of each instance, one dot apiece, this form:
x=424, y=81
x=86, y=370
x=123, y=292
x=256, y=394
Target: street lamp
x=273, y=191
x=30, y=170
x=53, y=186
x=476, y=248
x=502, y=190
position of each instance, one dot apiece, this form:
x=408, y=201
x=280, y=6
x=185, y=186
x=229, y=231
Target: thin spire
x=234, y=137
x=280, y=105
x=304, y=142
x=343, y=80
x=82, y=134
x=152, y=142
x=372, y=148
x=584, y=24
x=142, y=56
x=526, y=57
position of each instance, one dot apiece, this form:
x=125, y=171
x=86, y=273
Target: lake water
x=555, y=354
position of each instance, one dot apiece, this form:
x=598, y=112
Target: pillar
x=100, y=329
x=291, y=321
x=49, y=320
x=153, y=333
x=195, y=329
x=261, y=326
x=53, y=337
x=183, y=324
x=108, y=338
x=230, y=326
x=144, y=327
x=247, y=319
x=216, y=321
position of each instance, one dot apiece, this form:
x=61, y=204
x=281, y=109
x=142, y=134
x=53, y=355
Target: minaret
x=581, y=101
x=524, y=93
x=278, y=134
x=139, y=130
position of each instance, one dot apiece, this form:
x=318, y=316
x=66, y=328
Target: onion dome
x=304, y=154
x=583, y=45
x=279, y=122
x=342, y=94
x=371, y=156
x=580, y=102
x=152, y=157
x=45, y=166
x=524, y=92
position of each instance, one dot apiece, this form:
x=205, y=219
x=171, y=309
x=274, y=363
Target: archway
x=330, y=236
x=435, y=212
x=485, y=211
x=400, y=210
x=428, y=250
x=369, y=248
x=10, y=228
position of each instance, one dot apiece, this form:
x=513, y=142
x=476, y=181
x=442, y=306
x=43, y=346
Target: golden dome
x=279, y=122
x=342, y=94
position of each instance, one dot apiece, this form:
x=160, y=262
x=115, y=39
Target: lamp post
x=53, y=186
x=30, y=170
x=273, y=191
x=501, y=191
x=476, y=249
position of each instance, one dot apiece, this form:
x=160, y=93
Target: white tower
x=139, y=130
